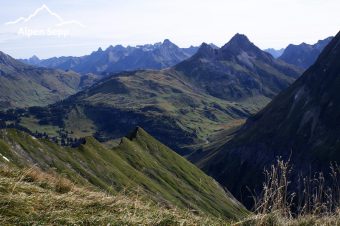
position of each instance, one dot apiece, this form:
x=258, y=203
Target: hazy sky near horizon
x=78, y=27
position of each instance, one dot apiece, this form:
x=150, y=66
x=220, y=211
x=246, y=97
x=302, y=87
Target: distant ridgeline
x=119, y=58
x=215, y=89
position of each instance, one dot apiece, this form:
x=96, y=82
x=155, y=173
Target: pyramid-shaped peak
x=239, y=41
x=239, y=38
x=205, y=51
x=167, y=43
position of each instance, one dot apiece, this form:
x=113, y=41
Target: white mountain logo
x=44, y=7
x=55, y=28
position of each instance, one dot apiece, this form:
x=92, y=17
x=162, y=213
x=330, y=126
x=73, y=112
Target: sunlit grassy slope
x=139, y=164
x=32, y=197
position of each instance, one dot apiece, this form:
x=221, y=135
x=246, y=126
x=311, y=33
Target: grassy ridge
x=32, y=197
x=139, y=163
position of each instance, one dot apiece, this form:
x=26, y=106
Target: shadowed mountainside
x=301, y=123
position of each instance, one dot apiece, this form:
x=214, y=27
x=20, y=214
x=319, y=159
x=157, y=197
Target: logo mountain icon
x=45, y=8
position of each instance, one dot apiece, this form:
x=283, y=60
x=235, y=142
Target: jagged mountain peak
x=168, y=44
x=115, y=48
x=240, y=43
x=241, y=38
x=214, y=67
x=206, y=51
x=205, y=47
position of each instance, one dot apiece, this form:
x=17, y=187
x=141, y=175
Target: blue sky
x=268, y=23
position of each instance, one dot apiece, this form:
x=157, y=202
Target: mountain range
x=74, y=126
x=119, y=58
x=301, y=124
x=237, y=71
x=304, y=55
x=162, y=55
x=181, y=106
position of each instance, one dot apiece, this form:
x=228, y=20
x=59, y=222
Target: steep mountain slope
x=22, y=85
x=276, y=53
x=46, y=198
x=301, y=123
x=180, y=106
x=237, y=71
x=118, y=58
x=304, y=55
x=138, y=164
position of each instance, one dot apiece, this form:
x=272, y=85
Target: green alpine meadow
x=170, y=113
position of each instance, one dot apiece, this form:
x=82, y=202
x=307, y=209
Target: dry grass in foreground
x=33, y=197
x=311, y=202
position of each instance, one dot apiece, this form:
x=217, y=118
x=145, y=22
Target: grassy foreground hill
x=31, y=196
x=138, y=165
